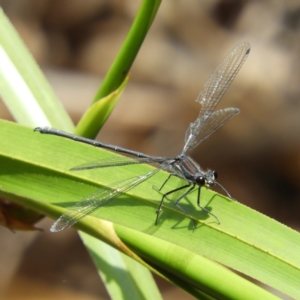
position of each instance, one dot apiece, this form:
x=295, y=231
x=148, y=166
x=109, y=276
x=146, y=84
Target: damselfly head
x=210, y=178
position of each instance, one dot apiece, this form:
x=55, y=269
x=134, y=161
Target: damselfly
x=182, y=166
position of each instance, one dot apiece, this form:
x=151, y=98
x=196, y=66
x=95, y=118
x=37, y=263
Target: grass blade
x=245, y=240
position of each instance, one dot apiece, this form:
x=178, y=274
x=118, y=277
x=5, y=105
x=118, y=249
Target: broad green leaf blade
x=97, y=114
x=36, y=169
x=122, y=276
x=23, y=87
x=31, y=181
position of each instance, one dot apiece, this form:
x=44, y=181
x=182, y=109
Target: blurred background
x=257, y=154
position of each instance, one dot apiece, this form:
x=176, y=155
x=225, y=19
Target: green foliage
x=244, y=240
x=34, y=172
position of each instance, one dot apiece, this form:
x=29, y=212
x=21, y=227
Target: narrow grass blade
x=123, y=277
x=97, y=114
x=116, y=75
x=23, y=87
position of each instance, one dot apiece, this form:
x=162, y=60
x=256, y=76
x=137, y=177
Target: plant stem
x=122, y=64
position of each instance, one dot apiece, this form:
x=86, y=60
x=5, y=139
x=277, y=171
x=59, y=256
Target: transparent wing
x=214, y=89
x=115, y=162
x=221, y=78
x=97, y=199
x=213, y=123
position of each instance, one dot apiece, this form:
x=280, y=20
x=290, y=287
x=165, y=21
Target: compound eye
x=215, y=174
x=200, y=180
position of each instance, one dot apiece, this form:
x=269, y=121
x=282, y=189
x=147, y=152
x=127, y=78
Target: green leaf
x=114, y=270
x=89, y=126
x=245, y=240
x=191, y=270
x=97, y=114
x=23, y=87
x=130, y=48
